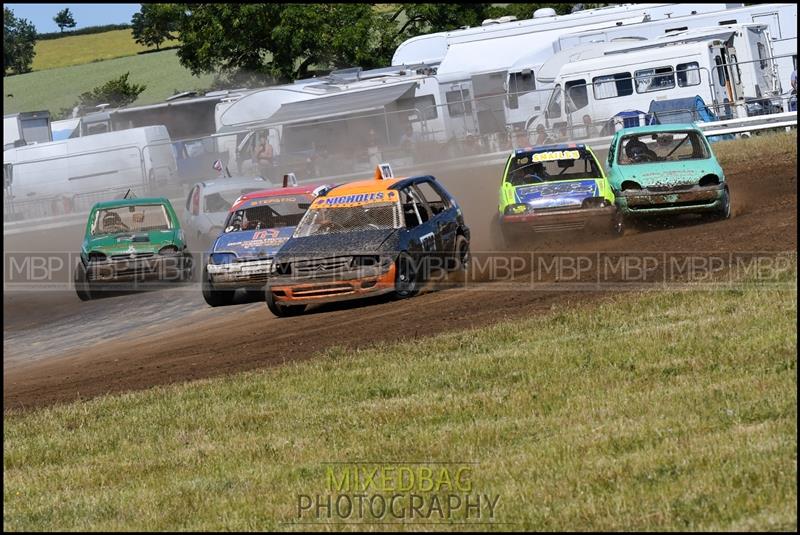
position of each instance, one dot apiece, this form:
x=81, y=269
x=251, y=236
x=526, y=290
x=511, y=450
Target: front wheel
x=406, y=279
x=724, y=212
x=282, y=311
x=82, y=287
x=214, y=297
x=617, y=225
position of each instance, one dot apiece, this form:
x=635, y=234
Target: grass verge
x=653, y=411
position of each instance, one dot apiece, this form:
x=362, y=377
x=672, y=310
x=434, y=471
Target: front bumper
x=352, y=284
x=155, y=267
x=560, y=220
x=253, y=273
x=695, y=199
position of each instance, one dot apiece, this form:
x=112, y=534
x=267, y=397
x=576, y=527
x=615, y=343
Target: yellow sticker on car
x=556, y=155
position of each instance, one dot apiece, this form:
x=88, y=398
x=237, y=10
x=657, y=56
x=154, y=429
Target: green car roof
x=131, y=202
x=672, y=127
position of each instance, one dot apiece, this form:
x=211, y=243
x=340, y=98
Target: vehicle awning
x=247, y=112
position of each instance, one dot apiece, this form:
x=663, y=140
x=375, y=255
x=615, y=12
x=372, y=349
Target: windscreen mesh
x=350, y=219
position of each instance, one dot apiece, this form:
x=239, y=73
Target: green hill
x=81, y=49
x=57, y=88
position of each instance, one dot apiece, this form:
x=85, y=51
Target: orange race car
x=368, y=238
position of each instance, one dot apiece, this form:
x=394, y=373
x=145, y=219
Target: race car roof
x=274, y=192
x=136, y=201
x=549, y=148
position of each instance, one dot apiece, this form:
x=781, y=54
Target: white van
x=88, y=169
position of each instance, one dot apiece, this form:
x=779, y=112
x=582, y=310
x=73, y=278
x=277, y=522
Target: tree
x=155, y=23
x=64, y=19
x=281, y=42
x=116, y=92
x=19, y=40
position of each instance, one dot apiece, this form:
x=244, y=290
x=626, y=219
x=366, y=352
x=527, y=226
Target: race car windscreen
x=551, y=167
x=221, y=201
x=336, y=220
x=139, y=218
x=662, y=147
x=268, y=213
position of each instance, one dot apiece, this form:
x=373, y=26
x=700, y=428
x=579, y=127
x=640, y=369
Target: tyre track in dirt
x=204, y=342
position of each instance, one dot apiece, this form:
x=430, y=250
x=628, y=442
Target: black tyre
x=617, y=229
x=82, y=286
x=214, y=297
x=461, y=254
x=187, y=265
x=282, y=311
x=496, y=234
x=406, y=278
x=724, y=211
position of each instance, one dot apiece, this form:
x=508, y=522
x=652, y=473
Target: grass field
x=80, y=49
x=654, y=411
x=54, y=89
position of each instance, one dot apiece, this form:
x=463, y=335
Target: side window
x=577, y=96
x=654, y=79
x=612, y=85
x=688, y=74
x=413, y=209
x=458, y=103
x=434, y=198
x=554, y=106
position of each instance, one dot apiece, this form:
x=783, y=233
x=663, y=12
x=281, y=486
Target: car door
x=422, y=237
x=443, y=214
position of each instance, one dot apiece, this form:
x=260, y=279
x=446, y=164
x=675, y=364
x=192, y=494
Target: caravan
x=780, y=21
x=596, y=83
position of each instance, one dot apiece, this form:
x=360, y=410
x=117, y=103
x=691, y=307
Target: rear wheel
x=82, y=287
x=406, y=280
x=282, y=311
x=214, y=297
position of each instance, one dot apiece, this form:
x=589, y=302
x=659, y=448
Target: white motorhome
x=751, y=53
x=781, y=21
x=432, y=48
x=86, y=169
x=602, y=80
x=26, y=127
x=339, y=116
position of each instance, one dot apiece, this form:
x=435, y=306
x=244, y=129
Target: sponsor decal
x=557, y=193
x=273, y=200
x=556, y=155
x=354, y=199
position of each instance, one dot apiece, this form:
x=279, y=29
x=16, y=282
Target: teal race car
x=664, y=170
x=130, y=241
x=553, y=188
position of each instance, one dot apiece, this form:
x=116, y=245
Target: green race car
x=666, y=170
x=128, y=241
x=553, y=188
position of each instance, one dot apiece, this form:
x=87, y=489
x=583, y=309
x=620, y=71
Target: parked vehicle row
x=309, y=244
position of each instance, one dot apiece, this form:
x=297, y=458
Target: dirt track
x=59, y=349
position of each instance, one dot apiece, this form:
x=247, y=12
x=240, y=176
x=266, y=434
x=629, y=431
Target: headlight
x=594, y=202
x=223, y=258
x=169, y=249
x=516, y=209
